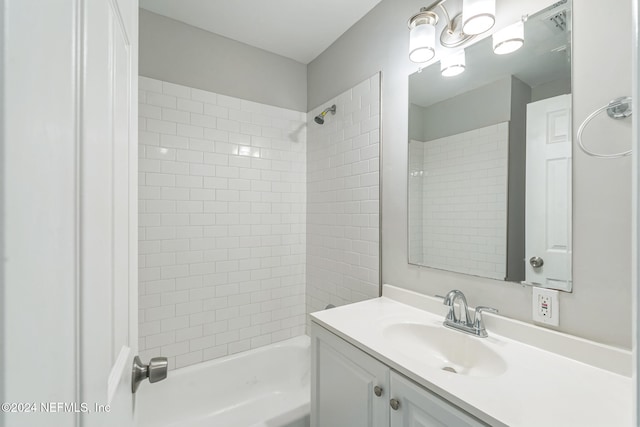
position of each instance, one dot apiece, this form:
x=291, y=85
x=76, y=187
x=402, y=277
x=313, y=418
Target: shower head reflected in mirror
x=319, y=119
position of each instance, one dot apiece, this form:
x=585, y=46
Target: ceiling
x=296, y=29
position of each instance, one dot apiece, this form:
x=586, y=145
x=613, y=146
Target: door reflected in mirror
x=490, y=159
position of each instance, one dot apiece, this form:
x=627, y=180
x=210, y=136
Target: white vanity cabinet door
x=343, y=381
x=421, y=408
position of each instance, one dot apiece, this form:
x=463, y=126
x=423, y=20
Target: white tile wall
x=343, y=199
x=465, y=202
x=222, y=223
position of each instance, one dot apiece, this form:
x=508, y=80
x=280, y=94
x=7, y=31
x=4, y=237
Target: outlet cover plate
x=546, y=307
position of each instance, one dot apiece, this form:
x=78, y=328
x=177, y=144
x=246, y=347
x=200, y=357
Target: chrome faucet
x=450, y=300
x=475, y=327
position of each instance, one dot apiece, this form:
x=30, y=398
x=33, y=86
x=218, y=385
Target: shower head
x=319, y=119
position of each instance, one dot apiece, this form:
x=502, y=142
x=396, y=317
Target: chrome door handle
x=377, y=390
x=536, y=262
x=156, y=371
x=395, y=404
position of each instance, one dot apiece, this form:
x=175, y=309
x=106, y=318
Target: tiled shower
x=458, y=185
x=343, y=199
x=251, y=216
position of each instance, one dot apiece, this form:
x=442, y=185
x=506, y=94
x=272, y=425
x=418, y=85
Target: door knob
x=536, y=262
x=156, y=371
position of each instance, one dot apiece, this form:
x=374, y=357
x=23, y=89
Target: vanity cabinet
x=343, y=384
x=349, y=388
x=419, y=407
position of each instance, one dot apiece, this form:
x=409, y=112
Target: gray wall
x=600, y=306
x=550, y=89
x=520, y=97
x=480, y=107
x=179, y=53
x=416, y=122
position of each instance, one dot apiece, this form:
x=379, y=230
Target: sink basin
x=445, y=349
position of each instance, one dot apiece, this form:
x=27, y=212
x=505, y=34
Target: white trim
x=2, y=200
x=116, y=372
x=635, y=218
x=40, y=259
x=380, y=195
x=78, y=61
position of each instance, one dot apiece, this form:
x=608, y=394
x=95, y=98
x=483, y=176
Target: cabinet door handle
x=377, y=390
x=395, y=404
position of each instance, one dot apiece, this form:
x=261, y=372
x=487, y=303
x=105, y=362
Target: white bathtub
x=265, y=387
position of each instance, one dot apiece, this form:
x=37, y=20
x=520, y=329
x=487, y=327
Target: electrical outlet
x=546, y=308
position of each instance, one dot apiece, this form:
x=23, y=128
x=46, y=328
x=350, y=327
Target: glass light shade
x=453, y=65
x=478, y=16
x=422, y=40
x=509, y=39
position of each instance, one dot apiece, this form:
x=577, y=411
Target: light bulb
x=478, y=16
x=509, y=39
x=422, y=40
x=453, y=65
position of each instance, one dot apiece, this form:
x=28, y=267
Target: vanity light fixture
x=478, y=16
x=422, y=36
x=453, y=65
x=509, y=39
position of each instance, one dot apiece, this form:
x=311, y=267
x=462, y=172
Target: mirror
x=490, y=159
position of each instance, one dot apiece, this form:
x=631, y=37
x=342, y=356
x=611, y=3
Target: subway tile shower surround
x=343, y=157
x=459, y=202
x=222, y=215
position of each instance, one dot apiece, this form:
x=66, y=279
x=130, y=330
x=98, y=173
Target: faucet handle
x=481, y=309
x=478, y=324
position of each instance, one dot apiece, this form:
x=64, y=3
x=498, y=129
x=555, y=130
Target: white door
x=548, y=193
x=108, y=208
x=414, y=406
x=343, y=384
x=68, y=162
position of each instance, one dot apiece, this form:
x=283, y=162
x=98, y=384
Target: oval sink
x=445, y=349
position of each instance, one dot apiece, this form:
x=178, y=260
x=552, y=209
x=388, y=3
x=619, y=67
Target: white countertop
x=538, y=388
